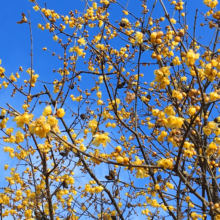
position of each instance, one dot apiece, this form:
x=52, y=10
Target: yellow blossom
x=47, y=111
x=60, y=113
x=101, y=139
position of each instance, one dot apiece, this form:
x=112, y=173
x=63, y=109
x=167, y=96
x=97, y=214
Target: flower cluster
x=211, y=3
x=162, y=77
x=191, y=58
x=40, y=127
x=165, y=163
x=139, y=37
x=23, y=119
x=94, y=189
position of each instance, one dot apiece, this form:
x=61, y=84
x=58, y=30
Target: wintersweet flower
x=47, y=111
x=174, y=122
x=162, y=136
x=176, y=61
x=3, y=112
x=99, y=94
x=154, y=203
x=169, y=185
x=6, y=166
x=177, y=94
x=214, y=96
x=55, y=38
x=99, y=102
x=40, y=127
x=36, y=8
x=51, y=120
x=81, y=41
x=165, y=163
x=93, y=125
x=186, y=145
x=101, y=139
x=60, y=113
x=191, y=58
x=169, y=110
x=139, y=37
x=28, y=213
x=211, y=148
x=210, y=3
x=207, y=131
x=153, y=37
x=19, y=137
x=192, y=111
x=23, y=119
x=155, y=112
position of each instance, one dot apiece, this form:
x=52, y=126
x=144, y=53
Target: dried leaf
x=23, y=20
x=129, y=97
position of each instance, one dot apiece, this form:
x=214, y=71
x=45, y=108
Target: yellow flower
x=186, y=145
x=60, y=113
x=55, y=38
x=187, y=198
x=99, y=94
x=6, y=166
x=23, y=119
x=36, y=8
x=174, y=122
x=101, y=139
x=28, y=213
x=81, y=41
x=162, y=136
x=169, y=185
x=177, y=94
x=191, y=58
x=210, y=3
x=169, y=110
x=3, y=112
x=191, y=205
x=155, y=112
x=93, y=125
x=214, y=96
x=157, y=187
x=86, y=131
x=207, y=131
x=139, y=37
x=51, y=120
x=192, y=111
x=40, y=127
x=176, y=61
x=47, y=111
x=125, y=12
x=173, y=20
x=19, y=137
x=211, y=148
x=154, y=203
x=47, y=25
x=99, y=102
x=165, y=163
x=119, y=159
x=163, y=207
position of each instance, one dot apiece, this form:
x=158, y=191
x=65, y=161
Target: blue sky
x=15, y=44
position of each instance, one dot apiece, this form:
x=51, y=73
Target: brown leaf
x=116, y=192
x=23, y=20
x=129, y=97
x=112, y=174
